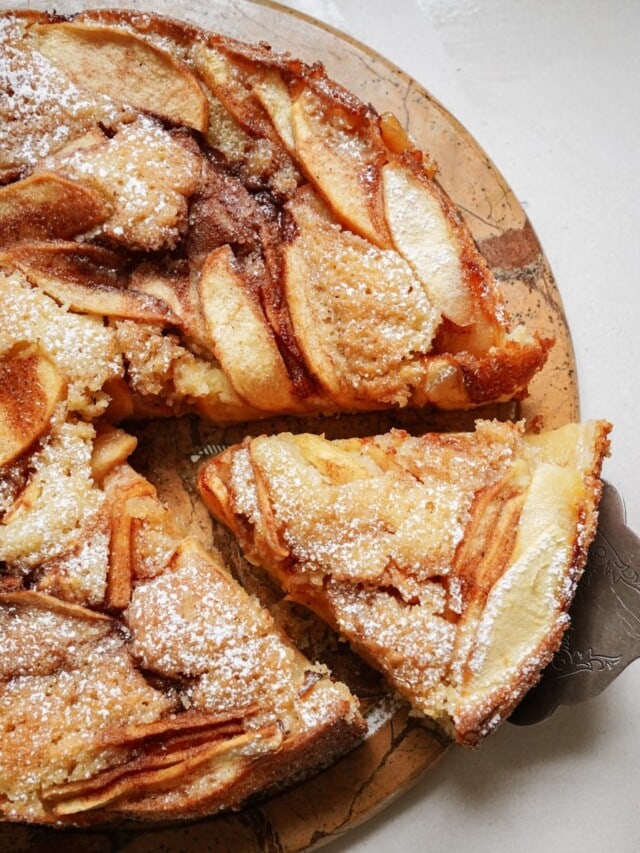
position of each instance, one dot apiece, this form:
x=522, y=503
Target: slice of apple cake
x=448, y=561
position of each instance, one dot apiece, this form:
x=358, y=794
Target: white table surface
x=551, y=90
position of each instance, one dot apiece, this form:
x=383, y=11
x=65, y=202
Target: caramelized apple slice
x=244, y=344
x=46, y=206
x=110, y=449
x=273, y=94
x=225, y=78
x=127, y=68
x=177, y=288
x=147, y=773
x=30, y=388
x=123, y=489
x=341, y=150
x=121, y=403
x=84, y=277
x=424, y=234
x=28, y=599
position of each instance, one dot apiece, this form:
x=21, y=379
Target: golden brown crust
x=48, y=206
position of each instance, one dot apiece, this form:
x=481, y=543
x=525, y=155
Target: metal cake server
x=604, y=636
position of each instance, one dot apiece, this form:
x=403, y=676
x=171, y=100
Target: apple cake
x=193, y=225
x=447, y=560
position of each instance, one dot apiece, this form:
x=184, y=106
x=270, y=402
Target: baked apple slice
x=127, y=68
x=47, y=205
x=30, y=388
x=87, y=279
x=340, y=149
x=242, y=340
x=424, y=230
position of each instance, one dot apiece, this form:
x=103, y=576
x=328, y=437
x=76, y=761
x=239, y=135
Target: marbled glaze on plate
x=399, y=750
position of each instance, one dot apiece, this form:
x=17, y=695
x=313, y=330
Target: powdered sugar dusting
x=194, y=623
x=146, y=174
x=40, y=108
x=64, y=501
x=72, y=679
x=376, y=321
x=383, y=527
x=81, y=346
x=81, y=574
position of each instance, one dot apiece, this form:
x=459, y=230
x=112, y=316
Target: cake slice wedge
x=448, y=561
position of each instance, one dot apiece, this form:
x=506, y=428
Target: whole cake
x=190, y=225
